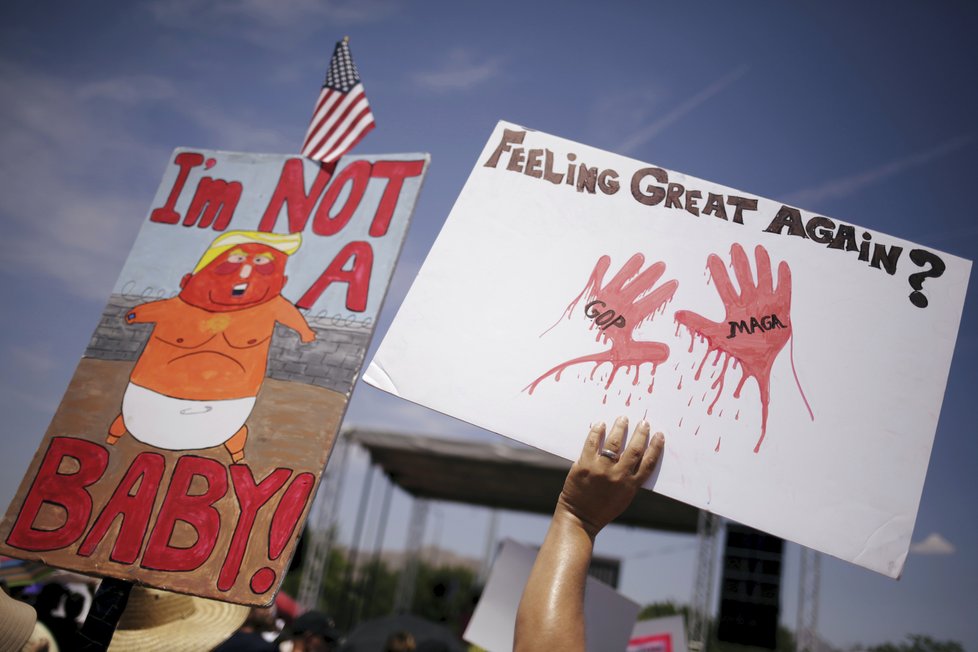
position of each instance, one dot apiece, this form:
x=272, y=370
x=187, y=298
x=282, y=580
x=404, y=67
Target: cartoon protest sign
x=795, y=362
x=188, y=446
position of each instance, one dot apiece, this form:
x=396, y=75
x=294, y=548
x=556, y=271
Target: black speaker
x=750, y=593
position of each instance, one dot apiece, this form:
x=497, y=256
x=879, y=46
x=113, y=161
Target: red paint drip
x=791, y=354
x=632, y=294
x=755, y=348
x=717, y=449
x=718, y=385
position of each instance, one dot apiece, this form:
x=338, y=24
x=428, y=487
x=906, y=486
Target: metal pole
x=321, y=528
x=487, y=554
x=378, y=543
x=806, y=628
x=699, y=630
x=348, y=610
x=415, y=537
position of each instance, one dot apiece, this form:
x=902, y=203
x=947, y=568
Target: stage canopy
x=498, y=475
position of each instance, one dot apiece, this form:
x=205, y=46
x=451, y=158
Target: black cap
x=318, y=623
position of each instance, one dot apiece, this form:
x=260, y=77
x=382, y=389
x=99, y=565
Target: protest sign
x=608, y=615
x=188, y=446
x=667, y=634
x=796, y=363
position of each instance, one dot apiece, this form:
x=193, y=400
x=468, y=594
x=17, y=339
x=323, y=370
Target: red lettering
x=358, y=174
x=361, y=257
x=287, y=513
x=251, y=498
x=196, y=510
x=167, y=214
x=214, y=202
x=395, y=172
x=66, y=490
x=291, y=191
x=135, y=508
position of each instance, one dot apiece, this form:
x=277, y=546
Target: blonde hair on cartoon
x=287, y=243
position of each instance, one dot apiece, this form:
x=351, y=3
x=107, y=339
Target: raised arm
x=147, y=313
x=597, y=490
x=288, y=315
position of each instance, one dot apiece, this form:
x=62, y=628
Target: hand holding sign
x=757, y=323
x=604, y=480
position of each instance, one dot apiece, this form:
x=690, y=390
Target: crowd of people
x=603, y=481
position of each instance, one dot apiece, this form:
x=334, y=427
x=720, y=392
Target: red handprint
x=617, y=310
x=756, y=326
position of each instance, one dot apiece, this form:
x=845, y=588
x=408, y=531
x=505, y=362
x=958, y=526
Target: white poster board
x=570, y=285
x=667, y=634
x=608, y=615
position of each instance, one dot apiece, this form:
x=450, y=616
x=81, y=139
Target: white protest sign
x=795, y=363
x=667, y=634
x=609, y=616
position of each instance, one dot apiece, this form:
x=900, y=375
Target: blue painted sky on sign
x=862, y=112
x=162, y=254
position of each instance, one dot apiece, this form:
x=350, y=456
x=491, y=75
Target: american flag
x=342, y=116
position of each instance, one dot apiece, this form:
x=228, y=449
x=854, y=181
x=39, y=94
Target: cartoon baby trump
x=197, y=379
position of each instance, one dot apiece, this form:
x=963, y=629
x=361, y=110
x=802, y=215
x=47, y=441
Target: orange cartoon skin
x=197, y=379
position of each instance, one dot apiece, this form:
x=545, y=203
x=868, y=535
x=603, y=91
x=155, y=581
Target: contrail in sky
x=646, y=134
x=846, y=186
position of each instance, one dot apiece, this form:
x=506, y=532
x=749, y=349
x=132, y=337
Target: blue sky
x=863, y=112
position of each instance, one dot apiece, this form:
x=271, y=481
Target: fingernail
x=658, y=439
x=622, y=420
x=644, y=426
x=597, y=425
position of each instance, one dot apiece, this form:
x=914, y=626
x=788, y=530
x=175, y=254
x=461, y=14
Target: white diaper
x=181, y=424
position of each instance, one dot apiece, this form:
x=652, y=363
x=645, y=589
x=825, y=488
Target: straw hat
x=160, y=620
x=16, y=622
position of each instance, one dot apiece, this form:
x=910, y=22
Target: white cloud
x=626, y=111
x=128, y=89
x=647, y=133
x=849, y=185
x=461, y=71
x=269, y=23
x=50, y=144
x=934, y=544
x=36, y=359
x=65, y=143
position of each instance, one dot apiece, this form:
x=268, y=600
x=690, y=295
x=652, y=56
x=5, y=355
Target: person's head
x=240, y=269
x=162, y=620
x=260, y=619
x=432, y=645
x=314, y=631
x=74, y=605
x=49, y=598
x=41, y=640
x=400, y=642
